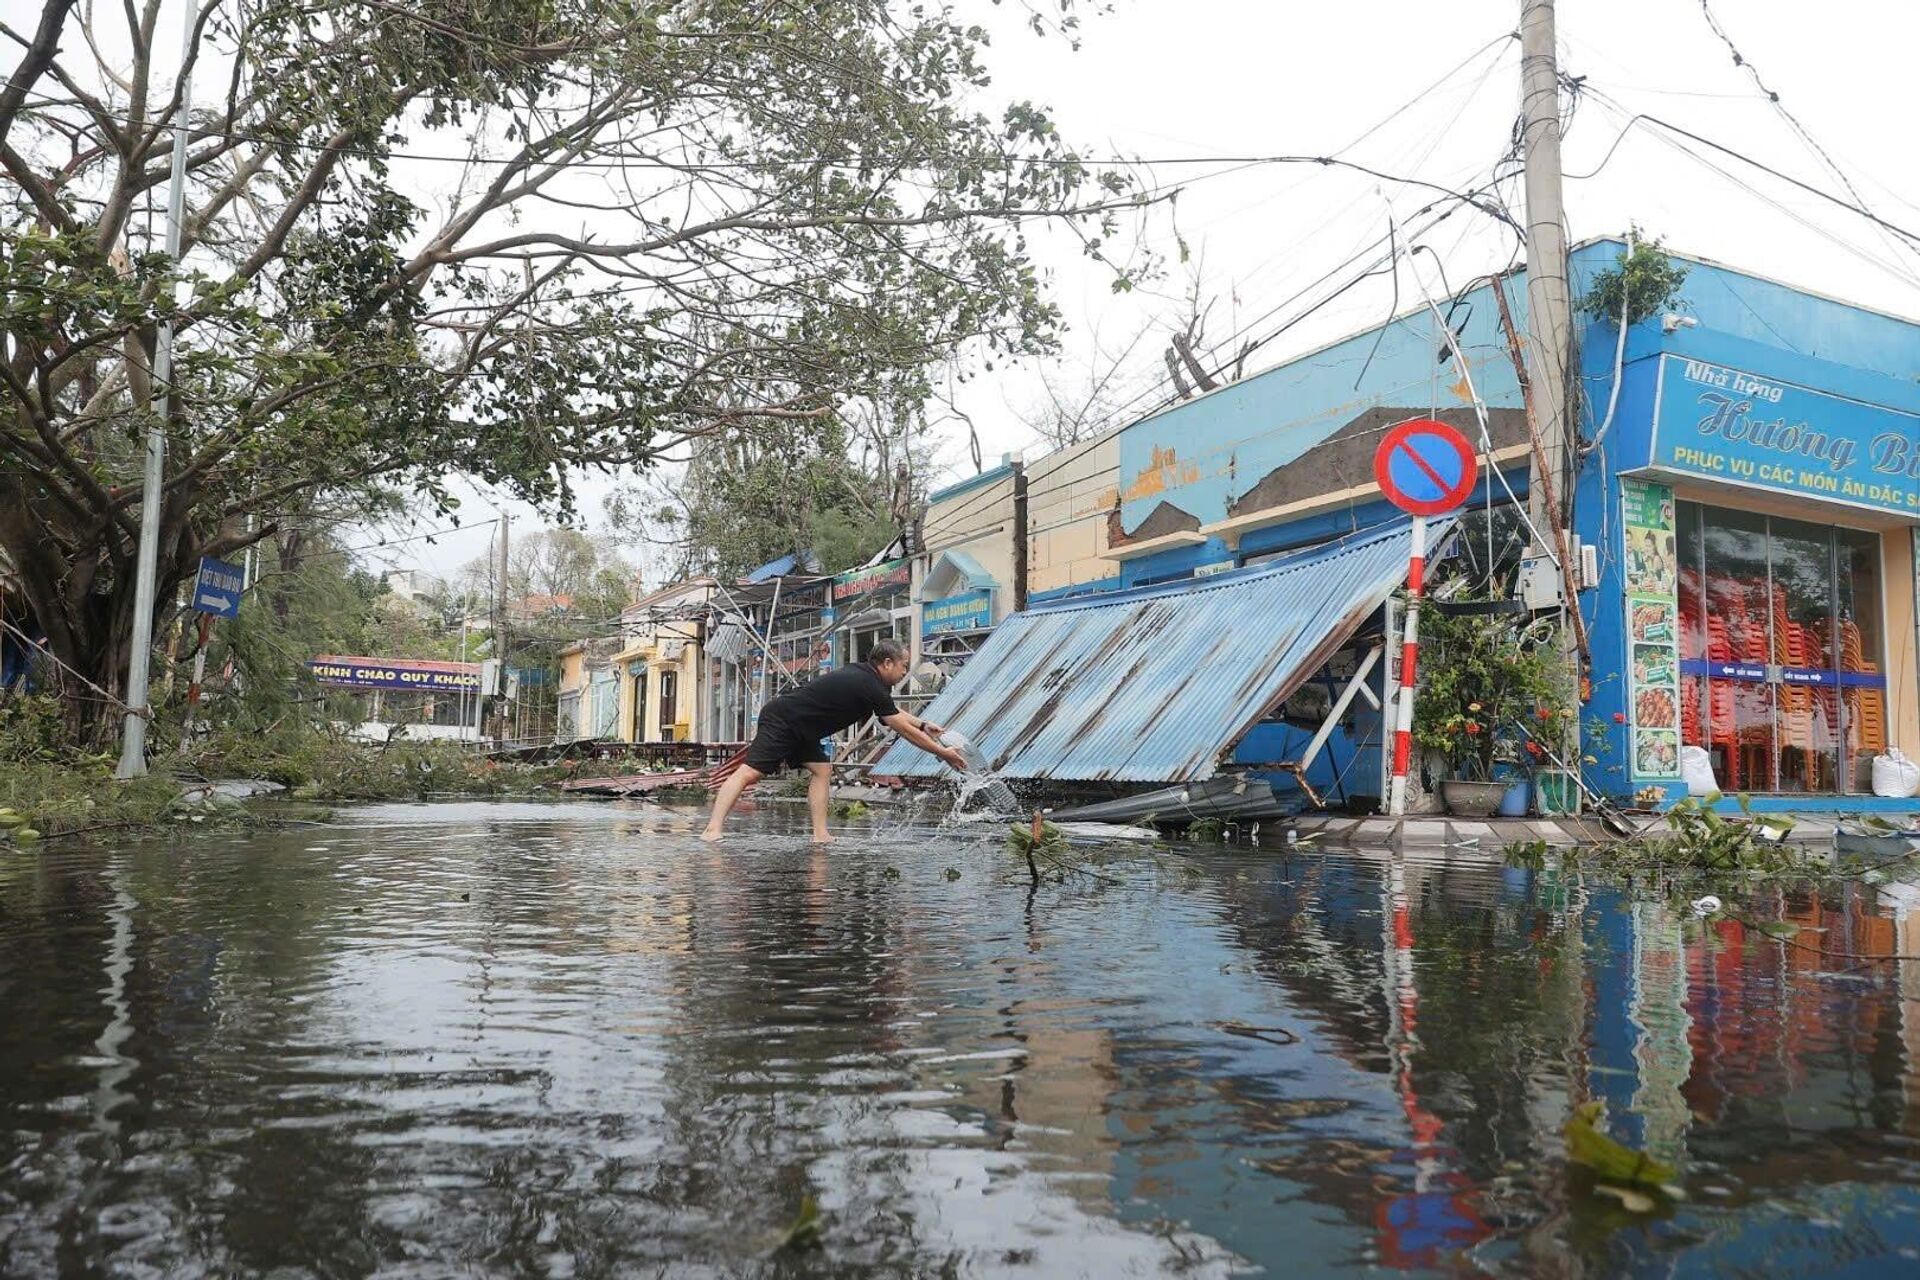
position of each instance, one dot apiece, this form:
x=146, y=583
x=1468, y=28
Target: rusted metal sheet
x=1156, y=684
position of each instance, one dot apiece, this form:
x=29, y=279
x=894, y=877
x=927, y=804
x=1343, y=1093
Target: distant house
x=589, y=694
x=413, y=585
x=661, y=666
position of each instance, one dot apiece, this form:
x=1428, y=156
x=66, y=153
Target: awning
x=1158, y=683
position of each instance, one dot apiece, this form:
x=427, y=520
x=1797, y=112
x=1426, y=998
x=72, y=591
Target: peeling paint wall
x=1202, y=455
x=1070, y=495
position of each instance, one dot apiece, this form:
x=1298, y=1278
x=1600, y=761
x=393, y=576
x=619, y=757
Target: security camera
x=1670, y=322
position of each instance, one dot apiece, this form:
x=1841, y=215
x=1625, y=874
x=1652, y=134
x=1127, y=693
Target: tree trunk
x=82, y=603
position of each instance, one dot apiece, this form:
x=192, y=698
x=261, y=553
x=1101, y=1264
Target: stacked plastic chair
x=1866, y=708
x=1795, y=703
x=1690, y=649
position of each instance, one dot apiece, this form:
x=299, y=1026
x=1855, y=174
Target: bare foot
x=820, y=839
x=710, y=835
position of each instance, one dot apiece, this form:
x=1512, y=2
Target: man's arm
x=914, y=730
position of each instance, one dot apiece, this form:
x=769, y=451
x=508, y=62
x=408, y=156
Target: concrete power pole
x=500, y=631
x=1549, y=306
x=133, y=731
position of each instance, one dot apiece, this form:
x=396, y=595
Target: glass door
x=1780, y=650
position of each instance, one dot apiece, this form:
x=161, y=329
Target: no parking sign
x=1425, y=468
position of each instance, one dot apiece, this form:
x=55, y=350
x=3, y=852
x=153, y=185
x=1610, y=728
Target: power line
x=1635, y=119
x=779, y=164
x=1793, y=121
x=1641, y=117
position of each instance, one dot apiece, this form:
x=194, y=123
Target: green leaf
x=806, y=1229
x=1609, y=1160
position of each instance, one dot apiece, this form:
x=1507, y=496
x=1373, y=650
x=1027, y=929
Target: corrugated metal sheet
x=1153, y=685
x=729, y=642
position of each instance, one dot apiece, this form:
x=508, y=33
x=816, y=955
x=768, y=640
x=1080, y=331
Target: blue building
x=1744, y=501
x=1751, y=506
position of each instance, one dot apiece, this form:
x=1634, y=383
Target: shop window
x=1780, y=633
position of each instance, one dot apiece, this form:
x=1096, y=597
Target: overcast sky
x=1175, y=79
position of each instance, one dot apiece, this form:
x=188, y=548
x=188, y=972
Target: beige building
x=660, y=666
x=1021, y=532
x=1073, y=503
x=588, y=691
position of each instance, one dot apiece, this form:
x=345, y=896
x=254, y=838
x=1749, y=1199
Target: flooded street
x=497, y=1039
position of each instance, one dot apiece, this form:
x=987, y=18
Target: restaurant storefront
x=960, y=603
x=1766, y=559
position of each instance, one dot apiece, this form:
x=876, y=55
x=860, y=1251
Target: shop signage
x=395, y=673
x=968, y=611
x=1733, y=426
x=1653, y=631
x=879, y=577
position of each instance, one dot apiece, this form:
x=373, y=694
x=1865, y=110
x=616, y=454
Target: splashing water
x=980, y=781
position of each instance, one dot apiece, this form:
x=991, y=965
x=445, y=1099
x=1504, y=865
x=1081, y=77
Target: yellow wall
x=1070, y=494
x=1903, y=664
x=573, y=671
x=642, y=723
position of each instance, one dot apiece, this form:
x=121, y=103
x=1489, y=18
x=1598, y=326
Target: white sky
x=1191, y=78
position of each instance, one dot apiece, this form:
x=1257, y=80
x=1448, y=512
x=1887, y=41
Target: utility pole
x=500, y=629
x=1549, y=307
x=1019, y=537
x=133, y=738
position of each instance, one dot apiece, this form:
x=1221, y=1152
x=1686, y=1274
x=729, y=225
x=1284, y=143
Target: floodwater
x=511, y=1039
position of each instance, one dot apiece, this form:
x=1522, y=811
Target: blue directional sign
x=216, y=590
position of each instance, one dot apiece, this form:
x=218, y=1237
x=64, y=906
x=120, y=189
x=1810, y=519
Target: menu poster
x=1653, y=630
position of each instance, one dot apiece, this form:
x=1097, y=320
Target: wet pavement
x=513, y=1039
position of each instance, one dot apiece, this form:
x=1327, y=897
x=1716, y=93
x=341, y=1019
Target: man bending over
x=793, y=724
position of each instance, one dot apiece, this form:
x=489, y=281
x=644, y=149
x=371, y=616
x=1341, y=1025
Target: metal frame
x=1357, y=686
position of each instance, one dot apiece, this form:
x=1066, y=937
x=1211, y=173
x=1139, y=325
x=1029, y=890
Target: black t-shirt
x=837, y=699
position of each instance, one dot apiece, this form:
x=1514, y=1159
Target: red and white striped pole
x=1409, y=670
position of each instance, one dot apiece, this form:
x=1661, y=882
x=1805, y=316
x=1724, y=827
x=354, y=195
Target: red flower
x=1619, y=717
x=1472, y=728
x=1533, y=748
x=1544, y=714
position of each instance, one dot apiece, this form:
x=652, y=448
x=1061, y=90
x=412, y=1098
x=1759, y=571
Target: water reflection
x=530, y=1039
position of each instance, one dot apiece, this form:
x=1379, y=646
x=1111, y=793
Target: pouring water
x=979, y=779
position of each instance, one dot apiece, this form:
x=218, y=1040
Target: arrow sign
x=1424, y=467
x=216, y=589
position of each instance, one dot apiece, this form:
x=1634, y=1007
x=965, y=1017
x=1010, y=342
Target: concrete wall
x=1071, y=494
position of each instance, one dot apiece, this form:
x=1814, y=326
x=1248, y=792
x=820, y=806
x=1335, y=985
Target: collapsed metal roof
x=1156, y=684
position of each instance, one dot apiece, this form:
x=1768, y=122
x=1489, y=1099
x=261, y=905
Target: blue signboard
x=968, y=611
x=1740, y=428
x=217, y=588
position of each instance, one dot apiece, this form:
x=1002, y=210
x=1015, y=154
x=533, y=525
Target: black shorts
x=776, y=746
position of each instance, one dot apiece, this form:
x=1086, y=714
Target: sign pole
x=1409, y=670
x=1425, y=468
x=133, y=730
x=199, y=674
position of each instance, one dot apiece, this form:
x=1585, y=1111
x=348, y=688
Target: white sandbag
x=1894, y=774
x=1696, y=770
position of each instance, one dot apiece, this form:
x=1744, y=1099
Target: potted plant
x=1492, y=692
